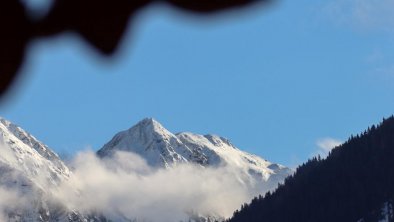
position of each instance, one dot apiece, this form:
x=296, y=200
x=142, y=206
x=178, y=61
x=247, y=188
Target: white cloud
x=366, y=14
x=121, y=186
x=325, y=145
x=127, y=185
x=10, y=200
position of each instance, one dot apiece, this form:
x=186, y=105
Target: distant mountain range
x=36, y=172
x=354, y=183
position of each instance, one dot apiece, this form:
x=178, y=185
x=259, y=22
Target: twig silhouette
x=101, y=22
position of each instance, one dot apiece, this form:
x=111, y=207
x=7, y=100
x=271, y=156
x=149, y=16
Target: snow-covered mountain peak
x=149, y=122
x=32, y=172
x=23, y=143
x=151, y=140
x=29, y=166
x=149, y=128
x=161, y=148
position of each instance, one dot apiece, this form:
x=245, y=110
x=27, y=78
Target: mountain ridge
x=32, y=169
x=161, y=148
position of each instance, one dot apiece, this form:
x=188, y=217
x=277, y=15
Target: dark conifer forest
x=354, y=183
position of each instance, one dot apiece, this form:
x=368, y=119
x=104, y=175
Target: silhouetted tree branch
x=101, y=22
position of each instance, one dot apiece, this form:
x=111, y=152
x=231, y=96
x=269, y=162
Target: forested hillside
x=353, y=183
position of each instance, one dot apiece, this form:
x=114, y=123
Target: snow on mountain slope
x=152, y=141
x=30, y=156
x=30, y=171
x=35, y=185
x=161, y=148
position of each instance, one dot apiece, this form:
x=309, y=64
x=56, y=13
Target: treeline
x=352, y=183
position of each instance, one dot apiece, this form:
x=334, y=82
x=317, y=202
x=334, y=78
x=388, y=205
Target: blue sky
x=278, y=81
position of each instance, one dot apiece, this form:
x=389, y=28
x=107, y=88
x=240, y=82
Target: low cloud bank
x=123, y=186
x=10, y=201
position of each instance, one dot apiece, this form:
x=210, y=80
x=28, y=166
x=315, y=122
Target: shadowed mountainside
x=352, y=184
